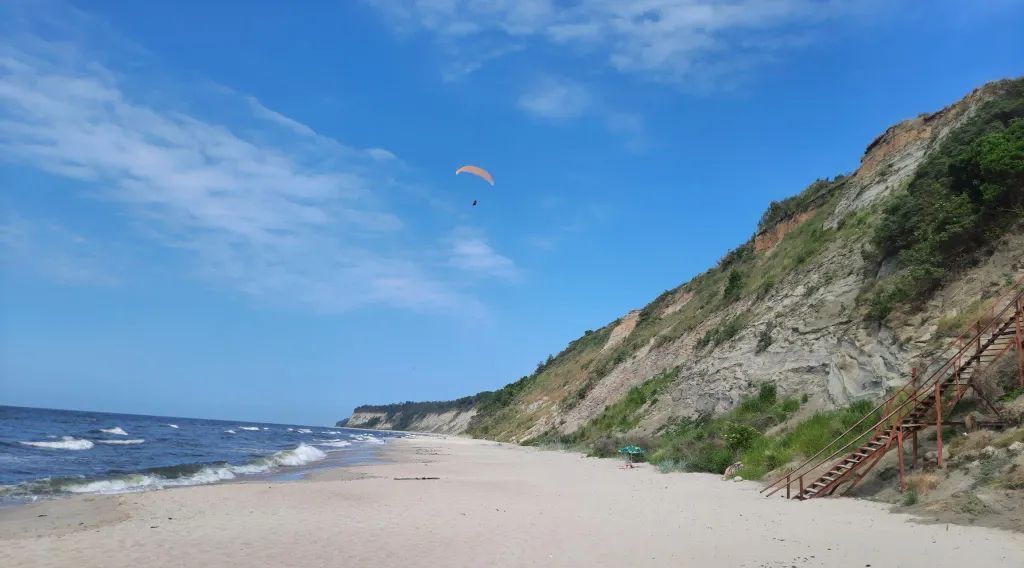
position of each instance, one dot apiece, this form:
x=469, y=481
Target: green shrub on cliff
x=965, y=196
x=624, y=415
x=712, y=444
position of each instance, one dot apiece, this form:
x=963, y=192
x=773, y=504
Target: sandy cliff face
x=797, y=319
x=449, y=422
x=894, y=156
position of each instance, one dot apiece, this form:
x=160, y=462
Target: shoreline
x=276, y=465
x=490, y=504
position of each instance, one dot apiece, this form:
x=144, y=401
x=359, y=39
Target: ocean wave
x=175, y=426
x=173, y=476
x=138, y=482
x=121, y=442
x=369, y=439
x=304, y=431
x=65, y=443
x=229, y=431
x=249, y=428
x=301, y=455
x=335, y=443
x=115, y=430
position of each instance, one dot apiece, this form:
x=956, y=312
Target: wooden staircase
x=921, y=403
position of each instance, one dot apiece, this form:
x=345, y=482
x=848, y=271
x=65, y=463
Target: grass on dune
x=712, y=445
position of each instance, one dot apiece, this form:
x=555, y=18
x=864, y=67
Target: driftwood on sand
x=415, y=478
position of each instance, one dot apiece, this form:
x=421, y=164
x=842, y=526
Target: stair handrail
x=1006, y=300
x=800, y=471
x=1017, y=293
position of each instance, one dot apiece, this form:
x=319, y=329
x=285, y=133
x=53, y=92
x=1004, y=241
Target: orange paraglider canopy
x=477, y=171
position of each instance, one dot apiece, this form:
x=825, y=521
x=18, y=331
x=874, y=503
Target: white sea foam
x=66, y=443
x=229, y=431
x=172, y=426
x=301, y=455
x=121, y=442
x=115, y=430
x=140, y=482
x=335, y=443
x=369, y=439
x=249, y=428
x=121, y=485
x=304, y=431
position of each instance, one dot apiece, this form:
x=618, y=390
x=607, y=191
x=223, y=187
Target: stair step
x=986, y=345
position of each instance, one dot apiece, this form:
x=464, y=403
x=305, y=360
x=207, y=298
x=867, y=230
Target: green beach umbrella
x=629, y=452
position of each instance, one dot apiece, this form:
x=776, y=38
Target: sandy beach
x=492, y=505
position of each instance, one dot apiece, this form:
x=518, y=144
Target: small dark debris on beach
x=415, y=478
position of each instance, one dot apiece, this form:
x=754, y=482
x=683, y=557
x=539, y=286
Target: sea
x=47, y=453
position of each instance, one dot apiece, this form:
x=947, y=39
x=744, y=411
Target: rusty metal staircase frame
x=921, y=403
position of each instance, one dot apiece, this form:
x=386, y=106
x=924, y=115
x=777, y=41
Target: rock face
x=817, y=348
x=793, y=315
x=448, y=422
x=768, y=238
x=621, y=331
x=895, y=155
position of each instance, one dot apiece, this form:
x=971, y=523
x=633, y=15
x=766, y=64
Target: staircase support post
x=1019, y=338
x=899, y=455
x=917, y=453
x=938, y=424
x=991, y=406
x=885, y=412
x=913, y=434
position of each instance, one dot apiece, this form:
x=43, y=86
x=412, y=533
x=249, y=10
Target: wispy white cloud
x=567, y=221
x=561, y=100
x=470, y=252
x=286, y=219
x=557, y=99
x=541, y=242
x=690, y=42
x=461, y=63
x=629, y=126
x=380, y=154
x=265, y=113
x=48, y=249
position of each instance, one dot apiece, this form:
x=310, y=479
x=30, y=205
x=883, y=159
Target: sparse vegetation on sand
x=713, y=444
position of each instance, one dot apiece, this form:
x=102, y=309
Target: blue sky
x=248, y=210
